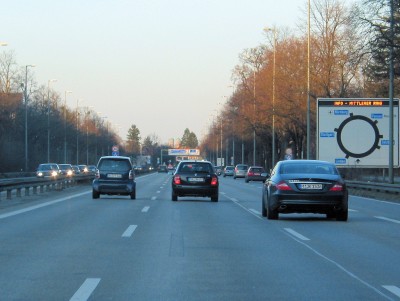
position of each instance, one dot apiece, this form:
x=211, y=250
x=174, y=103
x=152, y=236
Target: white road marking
x=222, y=192
x=153, y=198
x=392, y=288
x=145, y=209
x=296, y=234
x=5, y=215
x=255, y=211
x=128, y=232
x=86, y=289
x=388, y=219
x=352, y=210
x=234, y=200
x=158, y=191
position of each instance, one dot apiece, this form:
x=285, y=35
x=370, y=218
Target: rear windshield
x=195, y=167
x=242, y=167
x=302, y=168
x=229, y=168
x=257, y=169
x=115, y=165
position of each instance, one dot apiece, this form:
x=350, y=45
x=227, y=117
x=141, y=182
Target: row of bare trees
x=76, y=135
x=271, y=83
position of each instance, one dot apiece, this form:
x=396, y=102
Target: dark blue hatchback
x=114, y=176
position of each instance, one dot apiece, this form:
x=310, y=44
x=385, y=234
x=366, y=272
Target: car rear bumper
x=103, y=187
x=207, y=191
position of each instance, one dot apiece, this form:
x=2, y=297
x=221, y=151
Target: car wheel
x=263, y=211
x=214, y=198
x=272, y=214
x=330, y=215
x=234, y=177
x=174, y=197
x=133, y=194
x=95, y=194
x=247, y=181
x=342, y=215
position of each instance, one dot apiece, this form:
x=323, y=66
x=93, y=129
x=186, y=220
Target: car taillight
x=336, y=187
x=97, y=174
x=214, y=181
x=250, y=173
x=283, y=186
x=177, y=180
x=131, y=175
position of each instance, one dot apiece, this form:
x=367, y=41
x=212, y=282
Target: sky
x=162, y=65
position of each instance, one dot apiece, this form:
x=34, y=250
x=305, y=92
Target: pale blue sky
x=161, y=65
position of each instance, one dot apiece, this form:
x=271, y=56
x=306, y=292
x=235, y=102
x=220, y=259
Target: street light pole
x=48, y=118
x=65, y=125
x=77, y=131
x=273, y=95
x=308, y=82
x=26, y=114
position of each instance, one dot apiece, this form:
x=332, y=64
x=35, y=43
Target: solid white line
x=392, y=288
x=153, y=198
x=388, y=219
x=86, y=289
x=5, y=215
x=255, y=211
x=145, y=209
x=128, y=232
x=296, y=234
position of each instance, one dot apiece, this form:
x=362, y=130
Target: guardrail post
x=26, y=191
x=9, y=194
x=18, y=192
x=34, y=189
x=41, y=188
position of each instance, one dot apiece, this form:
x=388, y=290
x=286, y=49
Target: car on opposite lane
x=195, y=178
x=114, y=176
x=302, y=186
x=48, y=170
x=66, y=170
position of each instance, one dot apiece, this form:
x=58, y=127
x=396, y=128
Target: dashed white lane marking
x=86, y=289
x=145, y=209
x=158, y=191
x=352, y=210
x=153, y=198
x=296, y=234
x=388, y=219
x=128, y=232
x=392, y=288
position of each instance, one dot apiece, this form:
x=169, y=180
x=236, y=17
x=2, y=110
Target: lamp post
x=65, y=125
x=308, y=81
x=273, y=96
x=77, y=131
x=48, y=117
x=26, y=114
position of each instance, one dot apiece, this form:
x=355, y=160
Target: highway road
x=66, y=246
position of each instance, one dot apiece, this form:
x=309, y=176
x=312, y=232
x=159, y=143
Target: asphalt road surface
x=66, y=246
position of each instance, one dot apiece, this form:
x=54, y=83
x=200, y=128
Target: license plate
x=195, y=179
x=114, y=176
x=256, y=174
x=311, y=186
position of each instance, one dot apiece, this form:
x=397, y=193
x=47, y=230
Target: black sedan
x=195, y=178
x=302, y=186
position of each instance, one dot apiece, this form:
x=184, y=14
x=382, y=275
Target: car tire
x=263, y=210
x=342, y=215
x=234, y=177
x=330, y=215
x=247, y=181
x=133, y=194
x=214, y=198
x=95, y=194
x=174, y=197
x=272, y=214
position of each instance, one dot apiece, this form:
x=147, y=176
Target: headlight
x=69, y=173
x=40, y=174
x=85, y=170
x=54, y=173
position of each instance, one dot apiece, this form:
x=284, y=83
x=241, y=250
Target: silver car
x=240, y=171
x=228, y=170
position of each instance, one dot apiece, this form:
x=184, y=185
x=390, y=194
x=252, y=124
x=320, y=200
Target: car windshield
x=307, y=168
x=195, y=167
x=114, y=165
x=257, y=169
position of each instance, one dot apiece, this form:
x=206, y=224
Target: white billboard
x=355, y=132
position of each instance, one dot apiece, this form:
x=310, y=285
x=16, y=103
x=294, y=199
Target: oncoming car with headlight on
x=303, y=186
x=47, y=170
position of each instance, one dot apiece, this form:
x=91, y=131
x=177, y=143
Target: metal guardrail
x=39, y=185
x=372, y=186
